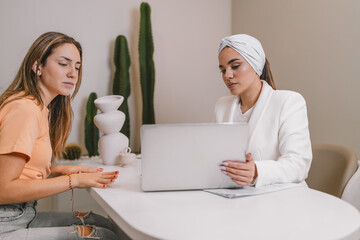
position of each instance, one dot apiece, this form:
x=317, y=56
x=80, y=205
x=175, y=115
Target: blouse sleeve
x=19, y=127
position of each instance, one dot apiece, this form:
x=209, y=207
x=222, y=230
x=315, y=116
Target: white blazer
x=279, y=138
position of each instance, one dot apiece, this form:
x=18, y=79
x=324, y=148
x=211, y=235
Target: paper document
x=250, y=190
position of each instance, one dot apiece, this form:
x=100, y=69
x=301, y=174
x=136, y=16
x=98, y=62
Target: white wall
x=186, y=37
x=313, y=48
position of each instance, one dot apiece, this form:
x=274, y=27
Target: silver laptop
x=187, y=156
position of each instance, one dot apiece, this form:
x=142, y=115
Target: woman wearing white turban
x=279, y=147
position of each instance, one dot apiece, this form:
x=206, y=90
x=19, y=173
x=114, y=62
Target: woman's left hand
x=66, y=169
x=242, y=173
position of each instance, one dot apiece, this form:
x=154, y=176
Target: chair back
x=331, y=168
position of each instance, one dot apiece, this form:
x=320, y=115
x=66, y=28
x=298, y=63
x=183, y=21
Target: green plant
x=72, y=151
x=91, y=131
x=121, y=85
x=147, y=68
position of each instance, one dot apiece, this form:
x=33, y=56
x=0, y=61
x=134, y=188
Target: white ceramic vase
x=110, y=122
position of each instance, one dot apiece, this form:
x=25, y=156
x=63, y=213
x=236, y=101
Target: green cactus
x=121, y=85
x=72, y=151
x=91, y=131
x=147, y=68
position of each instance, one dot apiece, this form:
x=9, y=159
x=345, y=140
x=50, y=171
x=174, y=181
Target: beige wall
x=313, y=48
x=186, y=35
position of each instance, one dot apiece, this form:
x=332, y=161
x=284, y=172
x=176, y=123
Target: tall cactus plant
x=91, y=131
x=147, y=68
x=121, y=85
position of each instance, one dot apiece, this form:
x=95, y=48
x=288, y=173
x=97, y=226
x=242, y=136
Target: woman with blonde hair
x=279, y=147
x=35, y=122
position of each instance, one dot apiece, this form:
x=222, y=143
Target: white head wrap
x=248, y=47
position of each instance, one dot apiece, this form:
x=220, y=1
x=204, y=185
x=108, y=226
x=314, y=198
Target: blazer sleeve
x=295, y=154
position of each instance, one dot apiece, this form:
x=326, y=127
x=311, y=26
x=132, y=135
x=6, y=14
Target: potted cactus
x=147, y=68
x=91, y=131
x=72, y=151
x=121, y=85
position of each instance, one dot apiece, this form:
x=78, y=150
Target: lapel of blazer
x=233, y=107
x=258, y=112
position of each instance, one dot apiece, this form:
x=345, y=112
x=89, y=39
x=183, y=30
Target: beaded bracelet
x=70, y=186
x=72, y=192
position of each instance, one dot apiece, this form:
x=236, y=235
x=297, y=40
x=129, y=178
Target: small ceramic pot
x=126, y=157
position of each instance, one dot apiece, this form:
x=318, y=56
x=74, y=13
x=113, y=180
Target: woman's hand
x=72, y=169
x=100, y=180
x=13, y=189
x=242, y=173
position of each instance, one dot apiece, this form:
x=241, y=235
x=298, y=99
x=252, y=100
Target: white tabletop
x=297, y=213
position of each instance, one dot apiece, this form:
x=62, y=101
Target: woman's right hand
x=242, y=173
x=99, y=180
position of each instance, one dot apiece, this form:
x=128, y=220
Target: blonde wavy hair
x=26, y=81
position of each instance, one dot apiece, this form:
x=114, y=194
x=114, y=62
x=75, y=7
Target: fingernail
x=224, y=172
x=77, y=171
x=112, y=180
x=104, y=186
x=117, y=172
x=115, y=176
x=225, y=164
x=223, y=168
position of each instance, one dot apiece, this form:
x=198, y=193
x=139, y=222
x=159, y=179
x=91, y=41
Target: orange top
x=24, y=128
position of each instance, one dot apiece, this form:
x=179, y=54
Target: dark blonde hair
x=27, y=81
x=267, y=75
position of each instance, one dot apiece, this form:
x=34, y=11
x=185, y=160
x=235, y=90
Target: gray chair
x=331, y=168
x=351, y=192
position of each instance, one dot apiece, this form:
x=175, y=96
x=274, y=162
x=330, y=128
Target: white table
x=297, y=213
